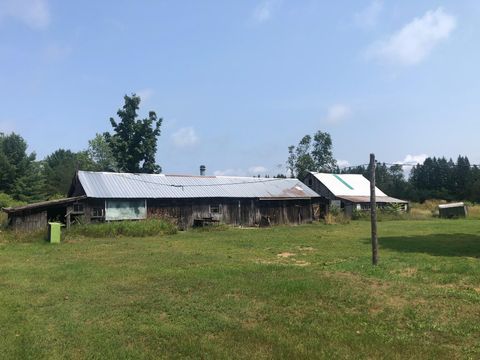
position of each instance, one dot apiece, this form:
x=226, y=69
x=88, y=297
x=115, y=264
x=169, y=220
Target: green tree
x=101, y=154
x=19, y=173
x=60, y=168
x=30, y=186
x=322, y=153
x=134, y=142
x=308, y=156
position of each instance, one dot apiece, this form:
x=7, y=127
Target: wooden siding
x=244, y=212
x=313, y=183
x=29, y=221
x=237, y=212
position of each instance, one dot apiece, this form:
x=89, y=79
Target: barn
x=349, y=191
x=188, y=200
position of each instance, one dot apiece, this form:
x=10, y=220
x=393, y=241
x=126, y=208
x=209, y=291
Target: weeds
x=10, y=236
x=331, y=219
x=123, y=228
x=210, y=228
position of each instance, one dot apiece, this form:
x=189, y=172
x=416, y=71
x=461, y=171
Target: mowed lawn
x=286, y=292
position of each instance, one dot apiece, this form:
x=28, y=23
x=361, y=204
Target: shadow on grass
x=435, y=244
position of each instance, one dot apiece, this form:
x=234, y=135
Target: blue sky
x=237, y=82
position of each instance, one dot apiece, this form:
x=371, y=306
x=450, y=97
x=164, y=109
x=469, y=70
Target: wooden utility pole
x=373, y=210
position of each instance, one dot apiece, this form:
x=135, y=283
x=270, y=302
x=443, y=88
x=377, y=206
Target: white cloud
x=413, y=159
x=257, y=170
x=145, y=94
x=410, y=161
x=264, y=11
x=414, y=42
x=185, y=137
x=343, y=163
x=368, y=17
x=229, y=172
x=337, y=113
x=33, y=13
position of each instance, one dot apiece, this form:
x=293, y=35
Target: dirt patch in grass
x=285, y=255
x=301, y=263
x=306, y=248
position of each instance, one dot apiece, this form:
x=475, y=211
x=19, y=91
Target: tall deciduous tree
x=322, y=153
x=308, y=156
x=100, y=152
x=134, y=142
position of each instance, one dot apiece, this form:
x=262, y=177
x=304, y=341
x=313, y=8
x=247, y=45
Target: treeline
x=130, y=148
x=436, y=178
x=25, y=179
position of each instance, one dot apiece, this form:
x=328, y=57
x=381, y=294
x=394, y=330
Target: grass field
x=285, y=292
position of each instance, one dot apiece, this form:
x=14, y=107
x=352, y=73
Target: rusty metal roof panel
x=126, y=185
x=366, y=199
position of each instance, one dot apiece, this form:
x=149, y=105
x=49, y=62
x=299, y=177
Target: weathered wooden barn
x=349, y=191
x=241, y=201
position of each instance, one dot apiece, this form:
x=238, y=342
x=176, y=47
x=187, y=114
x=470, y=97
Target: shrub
x=338, y=218
x=141, y=228
x=7, y=201
x=335, y=210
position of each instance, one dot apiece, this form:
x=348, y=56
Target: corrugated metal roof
x=347, y=184
x=42, y=204
x=151, y=186
x=366, y=199
x=451, y=205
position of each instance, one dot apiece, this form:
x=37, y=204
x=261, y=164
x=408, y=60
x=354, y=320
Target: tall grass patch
x=3, y=220
x=336, y=216
x=151, y=227
x=11, y=236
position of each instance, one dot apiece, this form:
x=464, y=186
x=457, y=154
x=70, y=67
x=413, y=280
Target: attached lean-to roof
x=43, y=204
x=352, y=187
x=152, y=186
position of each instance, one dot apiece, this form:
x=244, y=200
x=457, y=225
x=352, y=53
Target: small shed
x=36, y=216
x=453, y=210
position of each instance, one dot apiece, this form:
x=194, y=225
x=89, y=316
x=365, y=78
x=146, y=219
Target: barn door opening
x=57, y=214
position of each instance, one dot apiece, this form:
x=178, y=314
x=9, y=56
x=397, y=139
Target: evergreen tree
x=20, y=175
x=60, y=168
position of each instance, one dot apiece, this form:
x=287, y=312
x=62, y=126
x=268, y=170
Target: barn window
x=365, y=206
x=310, y=182
x=97, y=212
x=214, y=209
x=125, y=209
x=78, y=208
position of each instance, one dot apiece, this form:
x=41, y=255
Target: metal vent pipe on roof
x=203, y=168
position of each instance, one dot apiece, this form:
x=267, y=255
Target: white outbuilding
x=349, y=191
